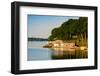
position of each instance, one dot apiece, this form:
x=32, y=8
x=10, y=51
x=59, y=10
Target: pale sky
x=41, y=25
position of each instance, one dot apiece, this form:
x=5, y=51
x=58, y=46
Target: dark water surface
x=37, y=52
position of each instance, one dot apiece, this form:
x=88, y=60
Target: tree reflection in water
x=63, y=53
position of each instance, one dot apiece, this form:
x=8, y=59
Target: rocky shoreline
x=64, y=45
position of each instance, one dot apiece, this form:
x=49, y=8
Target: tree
x=69, y=28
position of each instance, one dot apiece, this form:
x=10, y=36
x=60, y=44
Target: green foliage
x=70, y=28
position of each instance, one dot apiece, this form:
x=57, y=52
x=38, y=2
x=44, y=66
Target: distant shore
x=37, y=39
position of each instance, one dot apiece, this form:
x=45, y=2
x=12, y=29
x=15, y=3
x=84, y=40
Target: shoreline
x=64, y=45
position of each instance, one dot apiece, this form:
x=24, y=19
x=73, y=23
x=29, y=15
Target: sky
x=40, y=26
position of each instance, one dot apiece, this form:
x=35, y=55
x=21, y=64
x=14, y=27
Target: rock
x=48, y=45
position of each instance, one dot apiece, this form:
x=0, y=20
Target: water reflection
x=37, y=52
x=63, y=53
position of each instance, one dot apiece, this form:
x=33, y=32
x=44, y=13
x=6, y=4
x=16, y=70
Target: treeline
x=37, y=39
x=72, y=28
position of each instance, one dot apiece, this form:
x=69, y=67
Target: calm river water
x=37, y=52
